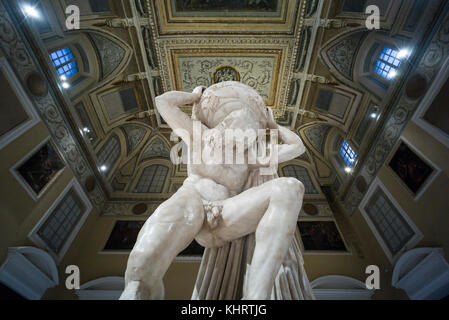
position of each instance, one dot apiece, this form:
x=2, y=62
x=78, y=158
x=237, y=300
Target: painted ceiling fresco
x=226, y=5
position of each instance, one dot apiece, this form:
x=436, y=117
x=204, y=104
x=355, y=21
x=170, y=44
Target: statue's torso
x=218, y=182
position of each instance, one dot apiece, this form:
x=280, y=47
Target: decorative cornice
x=435, y=48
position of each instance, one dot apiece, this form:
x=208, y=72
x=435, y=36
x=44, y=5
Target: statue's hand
x=198, y=92
x=272, y=124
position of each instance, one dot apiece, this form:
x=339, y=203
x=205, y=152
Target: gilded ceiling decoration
x=343, y=53
x=192, y=16
x=289, y=51
x=157, y=149
x=134, y=136
x=263, y=64
x=317, y=135
x=111, y=54
x=259, y=70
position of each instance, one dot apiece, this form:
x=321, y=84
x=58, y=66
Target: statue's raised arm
x=169, y=106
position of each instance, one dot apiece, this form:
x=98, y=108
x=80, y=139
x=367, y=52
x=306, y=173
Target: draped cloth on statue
x=224, y=271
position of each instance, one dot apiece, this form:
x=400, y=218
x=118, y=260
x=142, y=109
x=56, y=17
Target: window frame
x=417, y=237
x=349, y=148
x=14, y=170
x=26, y=104
x=378, y=60
x=65, y=63
x=34, y=236
x=140, y=177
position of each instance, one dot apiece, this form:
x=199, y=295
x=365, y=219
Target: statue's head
x=221, y=100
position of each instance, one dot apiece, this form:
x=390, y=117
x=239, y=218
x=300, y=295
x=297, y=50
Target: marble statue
x=215, y=206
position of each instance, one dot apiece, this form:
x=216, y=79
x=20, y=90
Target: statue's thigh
x=184, y=206
x=180, y=216
x=241, y=214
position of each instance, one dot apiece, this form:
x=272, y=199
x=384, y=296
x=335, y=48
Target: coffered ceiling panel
x=260, y=63
x=257, y=68
x=229, y=16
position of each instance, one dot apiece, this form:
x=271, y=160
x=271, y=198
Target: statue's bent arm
x=169, y=105
x=293, y=146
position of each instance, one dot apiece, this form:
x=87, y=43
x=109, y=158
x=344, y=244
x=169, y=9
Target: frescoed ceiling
x=230, y=16
x=306, y=58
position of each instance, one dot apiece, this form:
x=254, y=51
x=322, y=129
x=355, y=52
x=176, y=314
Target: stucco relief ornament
x=245, y=219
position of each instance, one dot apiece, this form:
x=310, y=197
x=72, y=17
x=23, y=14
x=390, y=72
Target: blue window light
x=388, y=63
x=65, y=62
x=348, y=155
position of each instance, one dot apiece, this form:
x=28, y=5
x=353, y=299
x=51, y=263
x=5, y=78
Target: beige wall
x=429, y=213
x=19, y=213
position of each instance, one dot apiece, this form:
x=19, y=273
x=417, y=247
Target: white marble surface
x=213, y=206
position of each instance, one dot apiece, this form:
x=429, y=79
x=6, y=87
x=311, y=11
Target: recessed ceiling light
x=31, y=11
x=103, y=168
x=373, y=115
x=392, y=74
x=404, y=53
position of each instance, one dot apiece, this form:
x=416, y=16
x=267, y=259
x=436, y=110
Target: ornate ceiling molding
x=433, y=49
x=340, y=52
x=281, y=48
x=110, y=53
x=280, y=20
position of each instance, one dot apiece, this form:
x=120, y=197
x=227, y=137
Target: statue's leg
x=271, y=211
x=170, y=229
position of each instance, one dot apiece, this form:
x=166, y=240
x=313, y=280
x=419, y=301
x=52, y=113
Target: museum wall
x=428, y=212
x=19, y=212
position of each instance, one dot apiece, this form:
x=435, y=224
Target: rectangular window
x=58, y=227
x=65, y=62
x=109, y=154
x=61, y=222
x=302, y=175
x=347, y=154
x=86, y=124
x=388, y=63
x=391, y=226
x=152, y=179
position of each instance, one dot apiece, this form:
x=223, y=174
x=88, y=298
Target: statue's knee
x=193, y=213
x=290, y=186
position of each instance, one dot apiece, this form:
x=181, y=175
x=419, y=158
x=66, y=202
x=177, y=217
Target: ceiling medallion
x=310, y=209
x=90, y=183
x=416, y=87
x=225, y=73
x=140, y=209
x=37, y=85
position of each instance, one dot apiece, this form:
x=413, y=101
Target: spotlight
x=348, y=170
x=65, y=85
x=103, y=168
x=373, y=115
x=31, y=11
x=86, y=130
x=63, y=78
x=392, y=74
x=404, y=53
